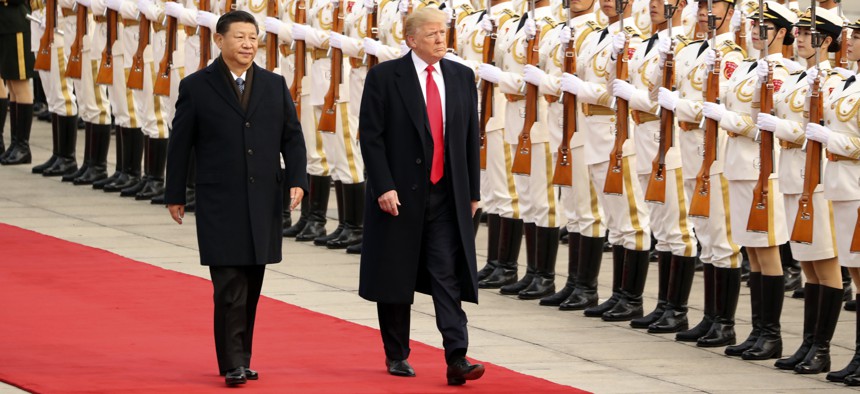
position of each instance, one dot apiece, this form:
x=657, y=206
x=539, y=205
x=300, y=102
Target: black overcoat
x=240, y=183
x=398, y=149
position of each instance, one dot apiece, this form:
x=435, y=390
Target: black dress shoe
x=251, y=374
x=399, y=368
x=235, y=377
x=461, y=370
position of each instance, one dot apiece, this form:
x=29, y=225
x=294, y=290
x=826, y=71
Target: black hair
x=835, y=45
x=789, y=37
x=232, y=17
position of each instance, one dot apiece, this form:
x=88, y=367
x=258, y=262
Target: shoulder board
x=590, y=27
x=631, y=30
x=728, y=46
x=465, y=10
x=548, y=23
x=506, y=16
x=682, y=42
x=593, y=25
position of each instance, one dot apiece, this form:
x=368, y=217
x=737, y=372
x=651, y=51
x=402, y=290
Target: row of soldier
x=697, y=83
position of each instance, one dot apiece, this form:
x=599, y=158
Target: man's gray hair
x=423, y=16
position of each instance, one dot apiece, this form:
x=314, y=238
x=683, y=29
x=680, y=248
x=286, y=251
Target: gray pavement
x=563, y=347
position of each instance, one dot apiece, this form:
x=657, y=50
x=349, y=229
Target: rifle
x=563, y=172
x=328, y=118
x=841, y=55
x=803, y=222
x=759, y=212
x=271, y=38
x=403, y=18
x=741, y=33
x=855, y=240
x=487, y=87
x=73, y=69
x=135, y=75
x=105, y=75
x=205, y=35
x=299, y=70
x=614, y=183
x=373, y=33
x=43, y=56
x=523, y=154
x=165, y=67
x=700, y=204
x=656, y=191
x=452, y=29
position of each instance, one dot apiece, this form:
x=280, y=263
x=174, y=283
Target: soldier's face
x=239, y=44
x=721, y=10
x=758, y=42
x=657, y=11
x=429, y=42
x=581, y=5
x=608, y=8
x=804, y=43
x=853, y=50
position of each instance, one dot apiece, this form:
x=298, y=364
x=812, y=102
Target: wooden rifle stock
x=105, y=75
x=452, y=34
x=563, y=172
x=760, y=210
x=299, y=69
x=656, y=191
x=487, y=90
x=804, y=221
x=523, y=154
x=327, y=123
x=614, y=183
x=373, y=33
x=271, y=38
x=73, y=69
x=741, y=34
x=842, y=54
x=135, y=75
x=700, y=204
x=855, y=241
x=205, y=39
x=165, y=67
x=43, y=55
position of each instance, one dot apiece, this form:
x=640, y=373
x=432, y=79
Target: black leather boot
x=585, y=292
x=629, y=305
x=790, y=268
x=854, y=365
x=88, y=154
x=769, y=343
x=674, y=318
x=141, y=147
x=305, y=210
x=618, y=253
x=320, y=188
x=693, y=334
x=510, y=240
x=4, y=109
x=818, y=358
x=55, y=145
x=754, y=283
x=67, y=137
x=19, y=153
x=354, y=249
x=13, y=130
x=353, y=217
x=99, y=144
x=664, y=266
x=132, y=150
x=726, y=290
x=848, y=294
x=338, y=196
x=493, y=222
x=546, y=251
x=117, y=173
x=556, y=299
x=529, y=230
x=155, y=163
x=810, y=315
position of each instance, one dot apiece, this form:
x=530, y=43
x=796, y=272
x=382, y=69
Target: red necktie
x=434, y=115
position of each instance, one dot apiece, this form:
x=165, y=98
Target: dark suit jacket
x=239, y=178
x=398, y=150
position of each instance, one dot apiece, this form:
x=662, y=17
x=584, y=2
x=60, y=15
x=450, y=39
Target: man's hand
x=177, y=212
x=296, y=194
x=388, y=202
x=474, y=208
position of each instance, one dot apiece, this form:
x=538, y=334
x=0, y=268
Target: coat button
x=418, y=161
x=250, y=152
x=247, y=125
x=251, y=179
x=414, y=187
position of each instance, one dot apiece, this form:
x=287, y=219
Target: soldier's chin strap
x=726, y=14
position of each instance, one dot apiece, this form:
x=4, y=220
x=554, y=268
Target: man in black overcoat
x=419, y=140
x=239, y=120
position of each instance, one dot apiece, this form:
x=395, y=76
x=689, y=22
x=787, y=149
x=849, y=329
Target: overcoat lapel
x=451, y=91
x=410, y=92
x=217, y=80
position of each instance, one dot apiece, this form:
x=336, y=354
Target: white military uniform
x=122, y=102
x=627, y=217
x=59, y=91
x=92, y=100
x=144, y=101
x=742, y=151
x=842, y=178
x=691, y=73
x=791, y=106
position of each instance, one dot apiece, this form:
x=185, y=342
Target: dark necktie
x=850, y=81
x=241, y=84
x=434, y=115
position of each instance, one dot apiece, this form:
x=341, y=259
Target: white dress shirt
x=421, y=70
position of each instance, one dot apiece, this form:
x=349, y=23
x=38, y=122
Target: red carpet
x=78, y=319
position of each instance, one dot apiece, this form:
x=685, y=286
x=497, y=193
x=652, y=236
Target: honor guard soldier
x=16, y=69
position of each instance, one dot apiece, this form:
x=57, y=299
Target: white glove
x=404, y=49
x=663, y=48
x=761, y=69
x=622, y=89
x=489, y=73
x=270, y=25
x=147, y=8
x=667, y=98
x=817, y=132
x=766, y=122
x=403, y=7
x=533, y=75
x=564, y=35
x=335, y=40
x=300, y=31
x=486, y=24
x=174, y=9
x=207, y=19
x=710, y=58
x=737, y=18
x=571, y=83
x=713, y=111
x=114, y=4
x=85, y=3
x=618, y=41
x=371, y=46
x=811, y=75
x=530, y=28
x=369, y=4
x=454, y=58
